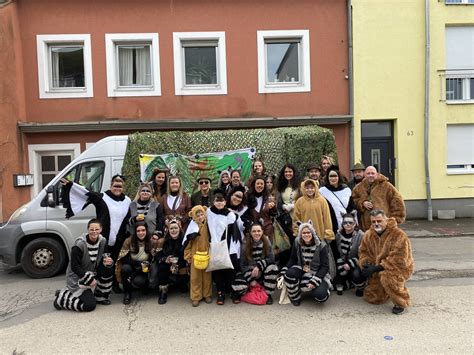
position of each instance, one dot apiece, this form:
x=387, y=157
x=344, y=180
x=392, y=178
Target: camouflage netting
x=300, y=146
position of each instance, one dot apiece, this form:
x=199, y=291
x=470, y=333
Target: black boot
x=127, y=297
x=163, y=294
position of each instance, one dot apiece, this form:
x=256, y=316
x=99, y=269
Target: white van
x=38, y=235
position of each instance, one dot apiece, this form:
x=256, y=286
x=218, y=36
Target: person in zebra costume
x=348, y=240
x=257, y=264
x=89, y=274
x=308, y=267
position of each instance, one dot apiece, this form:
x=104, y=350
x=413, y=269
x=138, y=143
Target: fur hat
x=308, y=225
x=198, y=208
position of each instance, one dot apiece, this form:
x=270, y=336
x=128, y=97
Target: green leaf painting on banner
x=190, y=168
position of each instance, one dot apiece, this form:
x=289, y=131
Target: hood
x=311, y=228
x=315, y=184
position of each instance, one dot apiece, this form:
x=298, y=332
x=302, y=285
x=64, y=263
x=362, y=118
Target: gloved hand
x=369, y=269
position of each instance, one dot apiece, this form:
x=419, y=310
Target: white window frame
x=465, y=76
x=34, y=151
x=43, y=42
x=304, y=84
x=179, y=76
x=111, y=42
x=459, y=2
x=454, y=142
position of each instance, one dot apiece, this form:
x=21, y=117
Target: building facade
x=72, y=72
x=390, y=42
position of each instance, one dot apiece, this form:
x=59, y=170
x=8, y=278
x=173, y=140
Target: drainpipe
x=351, y=82
x=427, y=109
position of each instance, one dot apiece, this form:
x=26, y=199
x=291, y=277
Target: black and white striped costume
x=266, y=265
x=317, y=258
x=348, y=250
x=111, y=210
x=84, y=267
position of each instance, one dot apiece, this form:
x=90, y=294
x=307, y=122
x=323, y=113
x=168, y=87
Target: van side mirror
x=50, y=196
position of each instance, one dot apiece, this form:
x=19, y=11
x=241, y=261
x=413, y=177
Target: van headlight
x=18, y=212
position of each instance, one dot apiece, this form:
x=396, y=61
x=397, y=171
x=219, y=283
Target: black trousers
x=224, y=278
x=353, y=277
x=165, y=277
x=133, y=278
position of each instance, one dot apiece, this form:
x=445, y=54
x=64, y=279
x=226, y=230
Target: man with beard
x=386, y=261
x=357, y=175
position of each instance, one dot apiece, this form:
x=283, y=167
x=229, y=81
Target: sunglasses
x=145, y=190
x=117, y=186
x=203, y=182
x=333, y=176
x=348, y=223
x=239, y=196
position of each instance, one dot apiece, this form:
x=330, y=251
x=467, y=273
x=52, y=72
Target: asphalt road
x=440, y=321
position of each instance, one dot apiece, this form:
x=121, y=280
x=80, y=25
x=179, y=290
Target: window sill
x=135, y=92
x=201, y=91
x=460, y=172
x=275, y=89
x=459, y=102
x=67, y=94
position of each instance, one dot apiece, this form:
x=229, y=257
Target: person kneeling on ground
x=134, y=260
x=386, y=260
x=257, y=264
x=308, y=267
x=170, y=259
x=348, y=240
x=89, y=274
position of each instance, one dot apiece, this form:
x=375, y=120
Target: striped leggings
x=86, y=301
x=296, y=281
x=267, y=278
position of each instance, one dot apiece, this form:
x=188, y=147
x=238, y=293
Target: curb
x=457, y=235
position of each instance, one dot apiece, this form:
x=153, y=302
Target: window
x=460, y=150
x=47, y=160
x=283, y=61
x=89, y=174
x=64, y=66
x=459, y=73
x=133, y=64
x=200, y=63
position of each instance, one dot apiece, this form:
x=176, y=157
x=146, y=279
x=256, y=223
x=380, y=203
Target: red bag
x=255, y=295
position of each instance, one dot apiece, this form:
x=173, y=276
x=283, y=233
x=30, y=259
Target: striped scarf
x=93, y=250
x=307, y=253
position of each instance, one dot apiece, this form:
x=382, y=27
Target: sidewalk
x=459, y=227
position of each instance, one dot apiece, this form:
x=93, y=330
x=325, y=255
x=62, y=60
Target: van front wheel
x=43, y=257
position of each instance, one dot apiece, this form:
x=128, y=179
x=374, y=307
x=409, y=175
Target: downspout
x=351, y=83
x=427, y=109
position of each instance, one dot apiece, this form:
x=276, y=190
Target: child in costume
x=197, y=239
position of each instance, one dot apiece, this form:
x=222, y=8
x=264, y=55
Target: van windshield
x=90, y=175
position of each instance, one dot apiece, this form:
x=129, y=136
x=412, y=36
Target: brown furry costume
x=392, y=250
x=316, y=209
x=383, y=195
x=201, y=281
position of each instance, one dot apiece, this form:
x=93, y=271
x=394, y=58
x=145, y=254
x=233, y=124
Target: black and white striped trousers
x=86, y=301
x=267, y=279
x=297, y=281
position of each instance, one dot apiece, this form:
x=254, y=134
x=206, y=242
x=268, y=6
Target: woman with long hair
x=133, y=261
x=262, y=206
x=170, y=259
x=236, y=201
x=158, y=180
x=176, y=202
x=257, y=264
x=287, y=187
x=258, y=169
